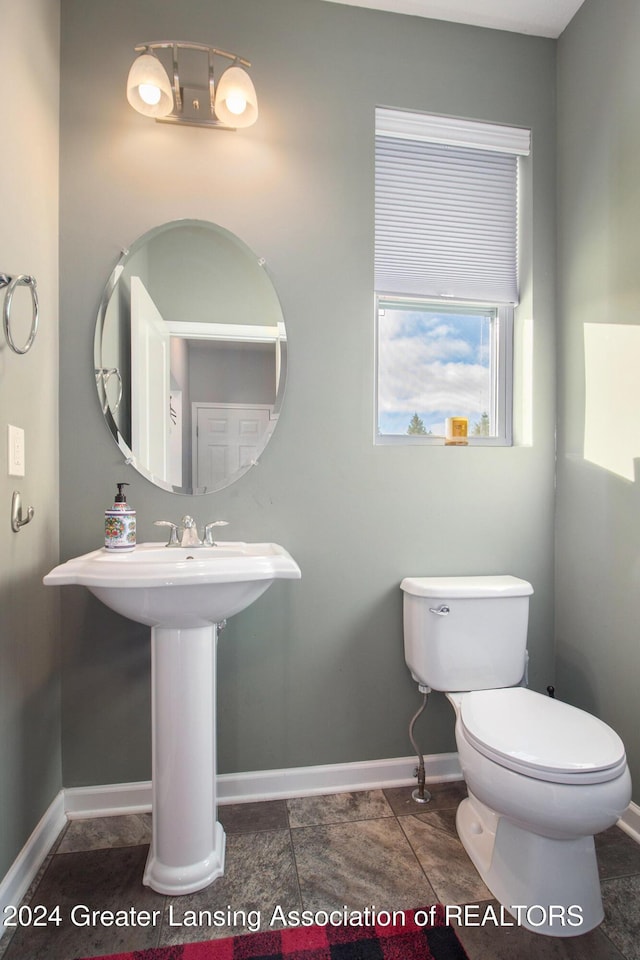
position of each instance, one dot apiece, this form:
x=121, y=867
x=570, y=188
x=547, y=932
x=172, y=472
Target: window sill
x=402, y=440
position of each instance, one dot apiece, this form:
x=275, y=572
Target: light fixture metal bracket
x=195, y=110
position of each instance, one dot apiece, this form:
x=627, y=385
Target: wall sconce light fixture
x=227, y=104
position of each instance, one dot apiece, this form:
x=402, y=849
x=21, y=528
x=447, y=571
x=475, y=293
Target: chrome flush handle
x=440, y=611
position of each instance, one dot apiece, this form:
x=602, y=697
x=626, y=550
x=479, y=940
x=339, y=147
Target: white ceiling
x=541, y=18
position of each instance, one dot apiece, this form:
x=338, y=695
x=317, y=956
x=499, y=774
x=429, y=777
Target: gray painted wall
x=598, y=511
x=314, y=672
x=30, y=763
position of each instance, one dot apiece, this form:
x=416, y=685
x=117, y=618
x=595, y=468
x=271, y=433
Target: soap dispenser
x=120, y=523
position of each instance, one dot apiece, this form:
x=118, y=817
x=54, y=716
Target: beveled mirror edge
x=281, y=345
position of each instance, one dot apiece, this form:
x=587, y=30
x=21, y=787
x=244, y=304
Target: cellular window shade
x=446, y=220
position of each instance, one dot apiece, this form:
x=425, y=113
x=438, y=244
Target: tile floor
x=360, y=849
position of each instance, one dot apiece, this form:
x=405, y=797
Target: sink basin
x=179, y=586
x=182, y=593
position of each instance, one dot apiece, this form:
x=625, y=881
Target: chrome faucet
x=189, y=532
x=190, y=536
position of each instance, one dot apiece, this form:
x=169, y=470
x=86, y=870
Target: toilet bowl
x=540, y=786
x=543, y=776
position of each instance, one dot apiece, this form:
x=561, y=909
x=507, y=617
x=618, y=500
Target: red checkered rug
x=421, y=935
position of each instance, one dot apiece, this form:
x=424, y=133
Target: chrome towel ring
x=11, y=283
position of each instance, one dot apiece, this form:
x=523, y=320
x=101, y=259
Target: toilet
x=543, y=777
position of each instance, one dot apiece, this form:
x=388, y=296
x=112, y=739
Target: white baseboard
x=120, y=799
x=25, y=868
x=107, y=800
x=333, y=778
x=123, y=798
x=630, y=821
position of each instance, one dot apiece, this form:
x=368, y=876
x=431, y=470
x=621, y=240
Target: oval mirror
x=190, y=356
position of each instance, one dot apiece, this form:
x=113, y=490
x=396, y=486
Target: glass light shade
x=236, y=103
x=148, y=87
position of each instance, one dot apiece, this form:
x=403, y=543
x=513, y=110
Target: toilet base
x=550, y=886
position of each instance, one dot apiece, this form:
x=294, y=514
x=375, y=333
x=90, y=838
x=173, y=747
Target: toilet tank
x=466, y=633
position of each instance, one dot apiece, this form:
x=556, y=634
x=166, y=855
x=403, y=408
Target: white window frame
x=456, y=132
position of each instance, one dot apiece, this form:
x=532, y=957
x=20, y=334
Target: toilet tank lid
x=466, y=587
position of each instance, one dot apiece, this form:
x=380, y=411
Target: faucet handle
x=173, y=536
x=208, y=531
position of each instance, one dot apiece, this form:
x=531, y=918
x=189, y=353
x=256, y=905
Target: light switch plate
x=16, y=451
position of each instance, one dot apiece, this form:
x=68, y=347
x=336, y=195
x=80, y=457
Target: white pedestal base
x=187, y=849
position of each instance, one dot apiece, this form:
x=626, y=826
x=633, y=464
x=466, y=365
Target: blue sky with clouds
x=432, y=362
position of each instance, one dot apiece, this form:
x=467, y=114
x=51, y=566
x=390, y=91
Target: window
x=446, y=275
x=439, y=360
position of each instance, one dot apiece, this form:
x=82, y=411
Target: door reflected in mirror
x=190, y=356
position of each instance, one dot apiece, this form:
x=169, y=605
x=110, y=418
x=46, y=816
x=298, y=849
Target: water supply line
x=420, y=795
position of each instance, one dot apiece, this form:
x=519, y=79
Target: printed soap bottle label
x=119, y=529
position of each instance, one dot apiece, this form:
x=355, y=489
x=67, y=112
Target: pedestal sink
x=182, y=593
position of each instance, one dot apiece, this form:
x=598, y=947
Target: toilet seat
x=541, y=737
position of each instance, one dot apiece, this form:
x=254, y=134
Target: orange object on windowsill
x=456, y=430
